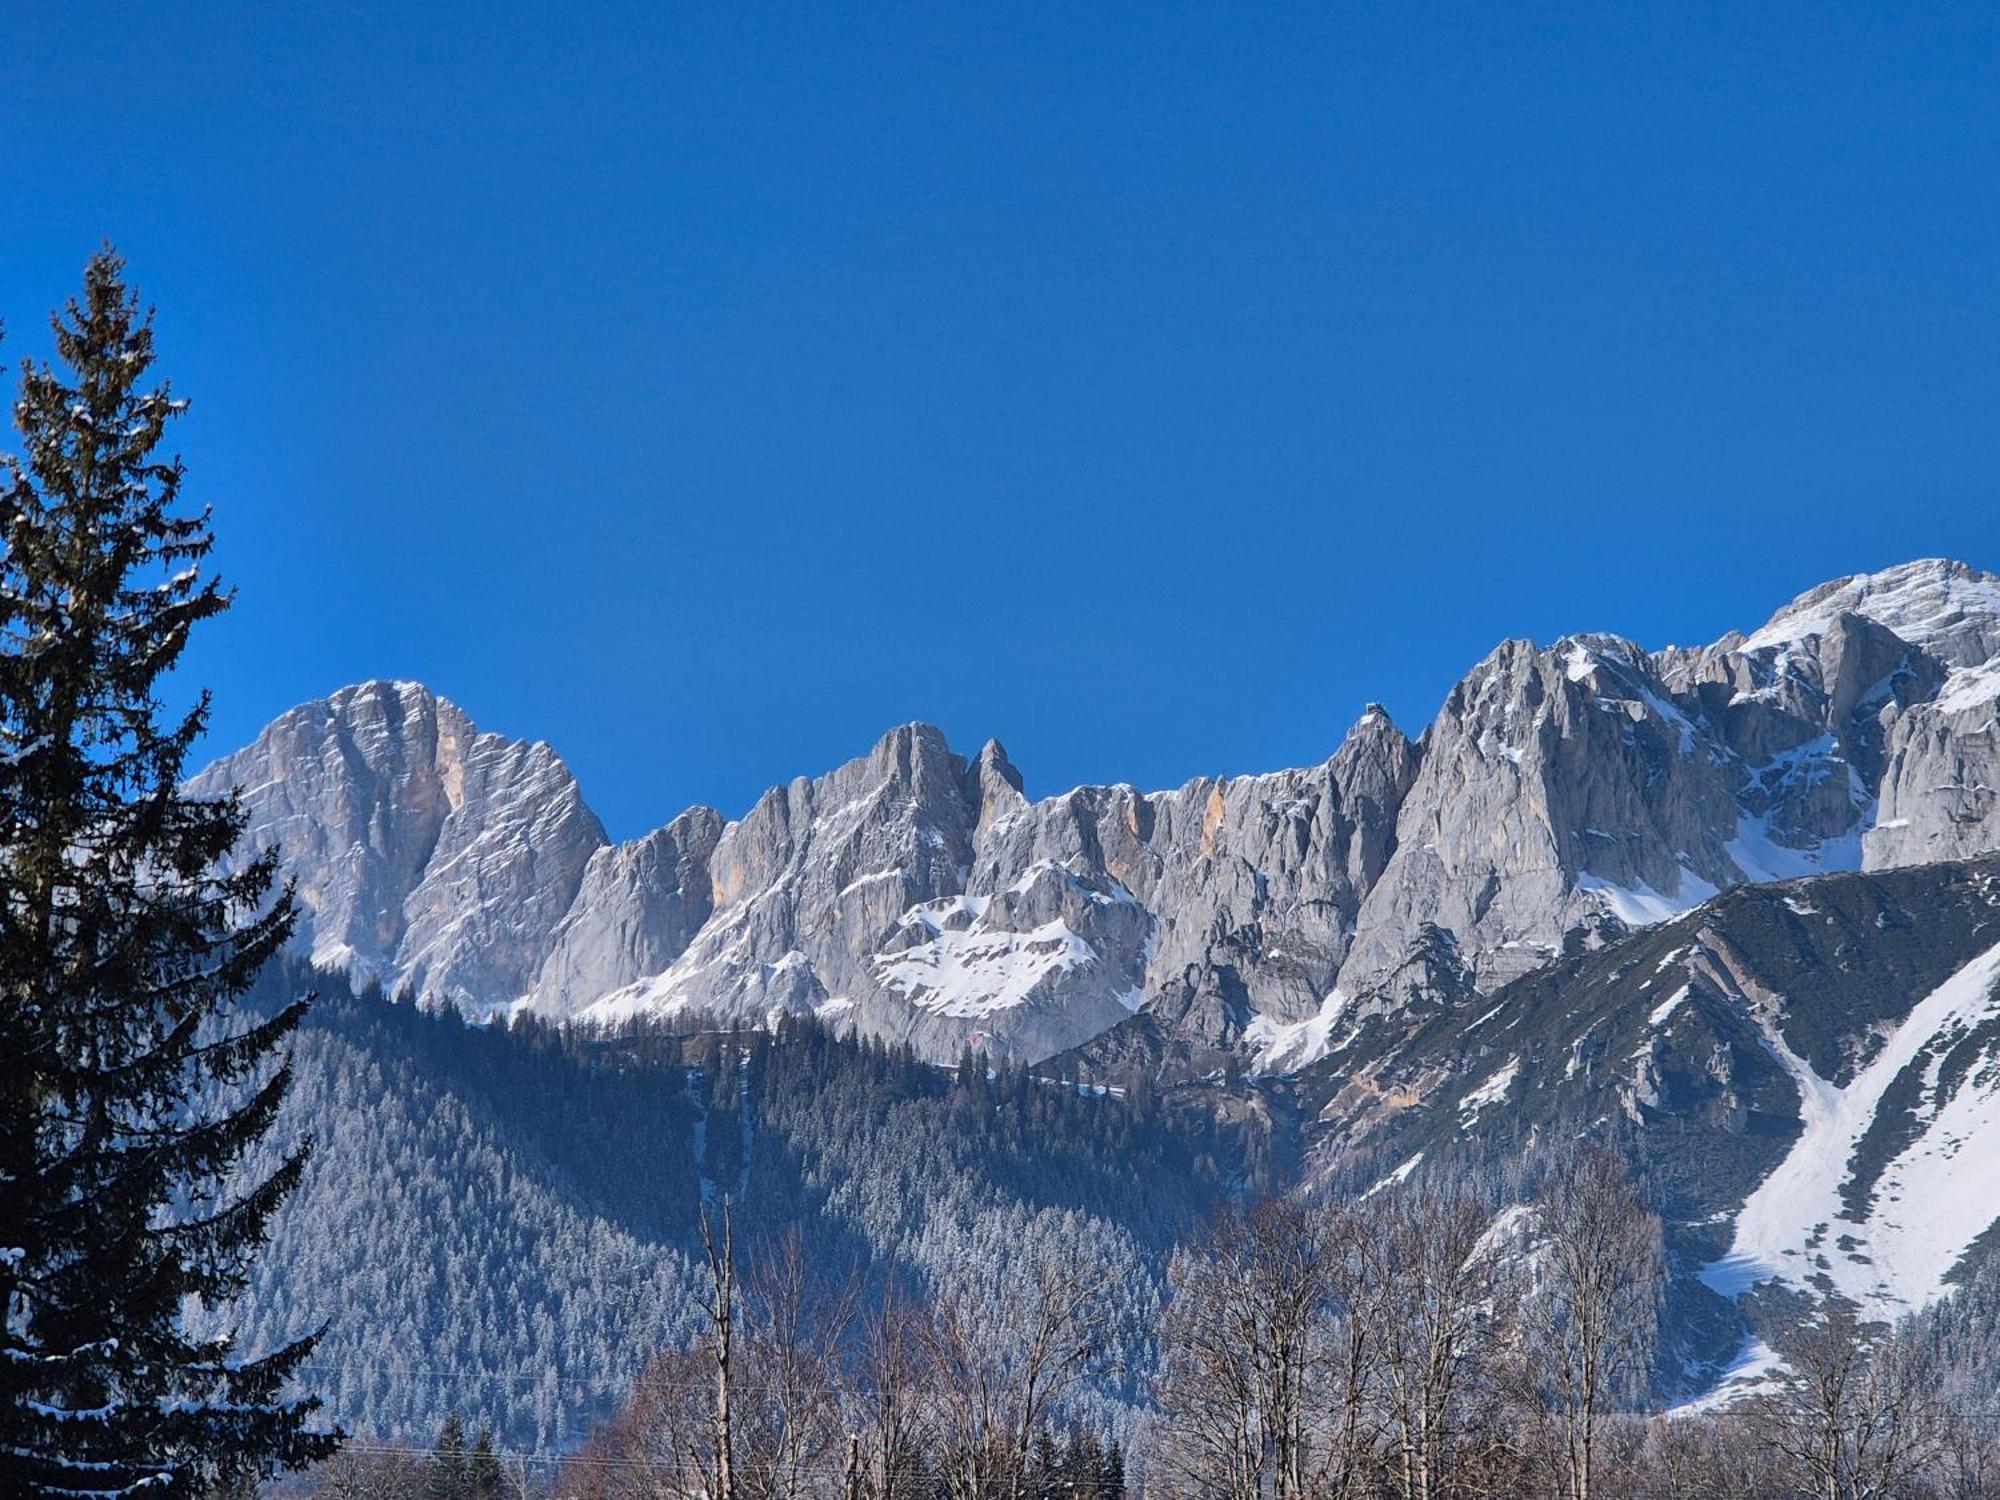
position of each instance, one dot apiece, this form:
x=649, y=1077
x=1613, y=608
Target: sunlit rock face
x=1562, y=795
x=429, y=857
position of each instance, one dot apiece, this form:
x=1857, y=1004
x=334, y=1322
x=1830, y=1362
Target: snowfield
x=978, y=971
x=1493, y=1090
x=1932, y=1200
x=1287, y=1046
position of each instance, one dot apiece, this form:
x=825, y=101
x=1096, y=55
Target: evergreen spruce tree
x=131, y=1085
x=1112, y=1485
x=486, y=1482
x=448, y=1471
x=1045, y=1468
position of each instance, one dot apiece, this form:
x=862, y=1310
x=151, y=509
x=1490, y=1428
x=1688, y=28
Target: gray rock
x=1562, y=795
x=1940, y=789
x=1554, y=781
x=1950, y=610
x=639, y=906
x=1592, y=780
x=429, y=856
x=930, y=901
x=816, y=877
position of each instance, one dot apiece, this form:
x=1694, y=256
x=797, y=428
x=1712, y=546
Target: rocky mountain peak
x=994, y=787
x=1946, y=607
x=430, y=857
x=1374, y=738
x=1563, y=792
x=916, y=754
x=993, y=764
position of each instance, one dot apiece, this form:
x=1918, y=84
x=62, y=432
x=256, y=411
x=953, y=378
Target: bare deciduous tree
x=1263, y=1381
x=1593, y=1274
x=888, y=1396
x=721, y=1311
x=798, y=1326
x=1415, y=1344
x=1707, y=1457
x=1855, y=1410
x=1003, y=1353
x=1434, y=1300
x=656, y=1447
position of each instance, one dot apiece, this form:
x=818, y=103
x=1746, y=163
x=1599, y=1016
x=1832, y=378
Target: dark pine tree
x=448, y=1471
x=131, y=1083
x=485, y=1479
x=1111, y=1484
x=1044, y=1477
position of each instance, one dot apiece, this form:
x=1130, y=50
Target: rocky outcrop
x=1940, y=796
x=810, y=883
x=1592, y=781
x=1265, y=874
x=1949, y=610
x=1554, y=781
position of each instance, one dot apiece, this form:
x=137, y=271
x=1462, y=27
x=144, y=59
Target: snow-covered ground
x=1287, y=1046
x=976, y=971
x=1753, y=1370
x=1639, y=905
x=1935, y=1197
x=1928, y=602
x=1493, y=1090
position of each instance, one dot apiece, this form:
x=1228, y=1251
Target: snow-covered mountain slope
x=1809, y=1072
x=1563, y=794
x=1949, y=609
x=1885, y=1233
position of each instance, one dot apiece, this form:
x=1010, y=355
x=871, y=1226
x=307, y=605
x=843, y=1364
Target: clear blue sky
x=705, y=388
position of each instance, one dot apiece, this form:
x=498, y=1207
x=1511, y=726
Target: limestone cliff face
x=638, y=907
x=1562, y=795
x=429, y=856
x=925, y=898
x=1556, y=784
x=1941, y=769
x=1592, y=782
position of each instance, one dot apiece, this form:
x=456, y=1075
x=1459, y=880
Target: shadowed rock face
x=1562, y=795
x=1940, y=786
x=637, y=909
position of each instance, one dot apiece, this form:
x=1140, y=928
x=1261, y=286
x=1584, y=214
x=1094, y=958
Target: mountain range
x=1735, y=908
x=1564, y=794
